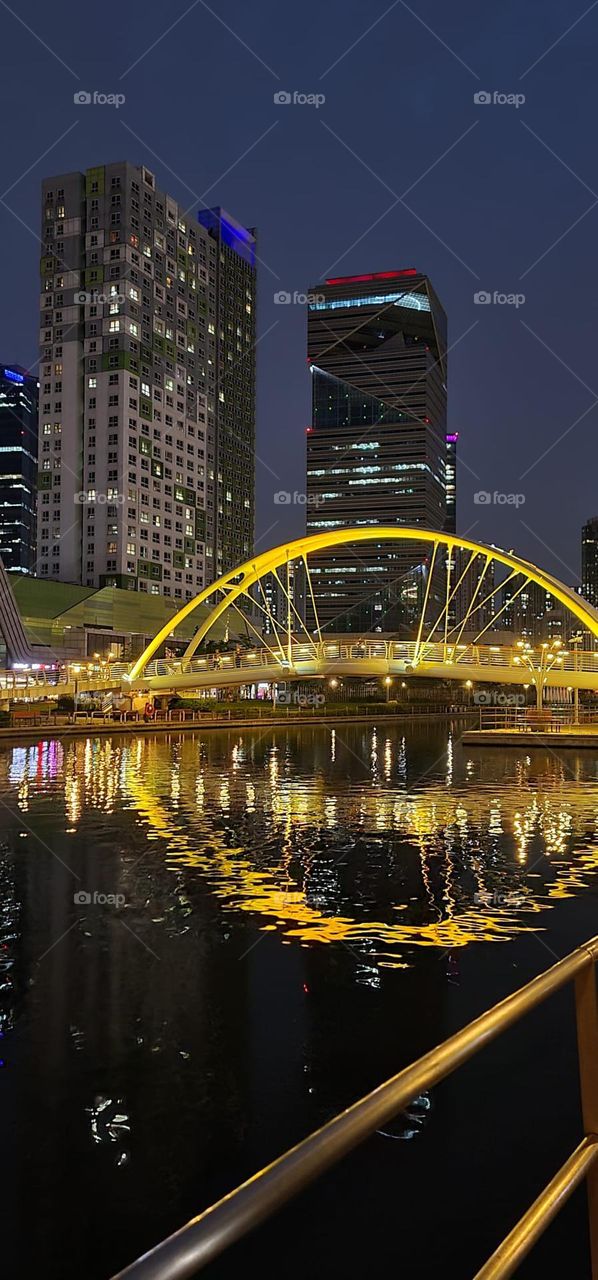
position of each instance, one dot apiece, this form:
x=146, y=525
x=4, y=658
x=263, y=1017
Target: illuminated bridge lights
x=442, y=642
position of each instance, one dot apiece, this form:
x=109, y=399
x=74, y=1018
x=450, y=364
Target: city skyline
x=486, y=197
x=211, y=218
x=215, y=218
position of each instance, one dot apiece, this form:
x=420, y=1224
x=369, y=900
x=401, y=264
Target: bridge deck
x=342, y=656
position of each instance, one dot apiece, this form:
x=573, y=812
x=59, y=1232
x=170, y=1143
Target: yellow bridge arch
x=231, y=586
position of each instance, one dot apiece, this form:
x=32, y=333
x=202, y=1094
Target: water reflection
x=356, y=836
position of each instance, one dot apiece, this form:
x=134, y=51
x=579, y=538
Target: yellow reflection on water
x=315, y=853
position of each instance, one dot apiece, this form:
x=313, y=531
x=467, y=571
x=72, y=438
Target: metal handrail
x=202, y=1239
x=343, y=648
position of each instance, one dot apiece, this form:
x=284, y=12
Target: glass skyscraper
x=377, y=444
x=18, y=467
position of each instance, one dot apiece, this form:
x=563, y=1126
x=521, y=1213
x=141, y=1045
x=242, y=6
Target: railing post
x=586, y=1009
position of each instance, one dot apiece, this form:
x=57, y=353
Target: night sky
x=398, y=167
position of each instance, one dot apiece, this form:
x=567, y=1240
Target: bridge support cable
x=291, y=608
x=506, y=605
x=312, y=597
x=424, y=606
x=496, y=590
x=204, y=627
x=472, y=607
x=267, y=612
x=453, y=593
x=242, y=615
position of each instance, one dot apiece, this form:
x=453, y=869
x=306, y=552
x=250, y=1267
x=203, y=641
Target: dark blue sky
x=500, y=198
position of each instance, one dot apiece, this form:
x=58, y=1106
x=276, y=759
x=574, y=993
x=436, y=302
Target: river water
x=211, y=943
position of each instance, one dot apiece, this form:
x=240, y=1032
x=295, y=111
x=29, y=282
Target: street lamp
x=469, y=687
x=388, y=682
x=575, y=642
x=76, y=669
x=540, y=664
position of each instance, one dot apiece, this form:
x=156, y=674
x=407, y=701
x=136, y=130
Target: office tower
x=18, y=467
x=135, y=336
x=589, y=561
x=376, y=447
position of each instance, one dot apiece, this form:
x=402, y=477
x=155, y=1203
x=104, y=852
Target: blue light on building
x=226, y=228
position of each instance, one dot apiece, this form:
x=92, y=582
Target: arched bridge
x=464, y=589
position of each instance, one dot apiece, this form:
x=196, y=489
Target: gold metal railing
x=196, y=1244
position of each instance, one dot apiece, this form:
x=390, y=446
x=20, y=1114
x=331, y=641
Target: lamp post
x=540, y=663
x=388, y=682
x=76, y=672
x=575, y=642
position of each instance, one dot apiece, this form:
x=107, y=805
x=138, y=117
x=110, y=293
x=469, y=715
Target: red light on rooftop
x=376, y=275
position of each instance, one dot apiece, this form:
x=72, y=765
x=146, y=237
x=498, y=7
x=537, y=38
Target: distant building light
x=13, y=376
x=377, y=275
x=413, y=301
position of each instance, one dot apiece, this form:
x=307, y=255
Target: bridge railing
x=270, y=655
x=530, y=719
x=406, y=653
x=198, y=1243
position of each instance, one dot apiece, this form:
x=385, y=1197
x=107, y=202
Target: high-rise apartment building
x=18, y=467
x=377, y=444
x=147, y=374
